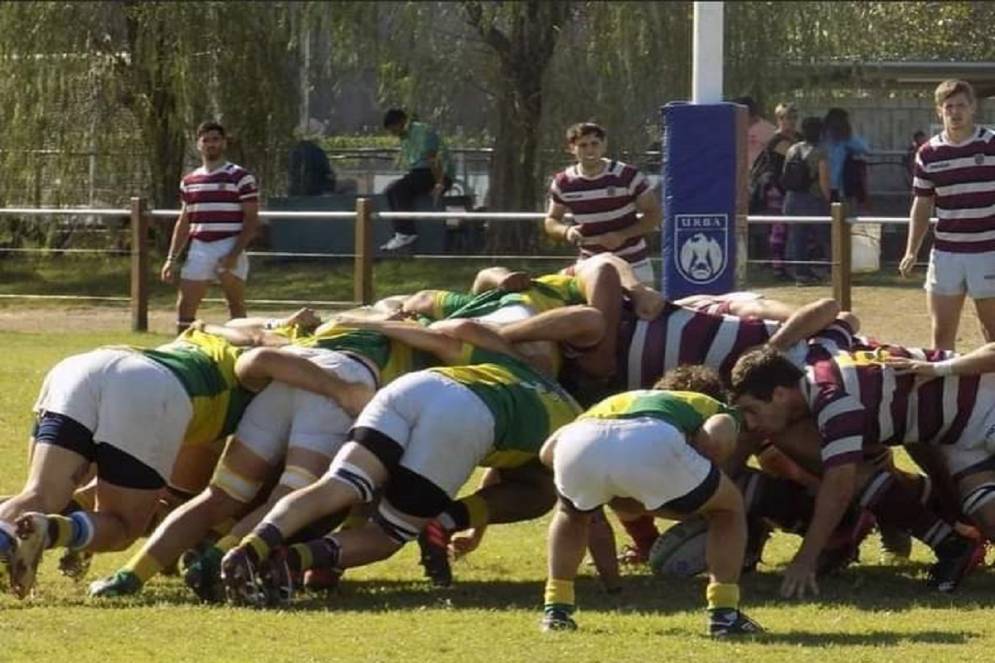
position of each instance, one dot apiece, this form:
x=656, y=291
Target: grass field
x=385, y=613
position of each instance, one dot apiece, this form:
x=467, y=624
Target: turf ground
x=385, y=613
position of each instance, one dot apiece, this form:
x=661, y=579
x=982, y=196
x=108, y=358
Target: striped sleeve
x=842, y=421
x=247, y=189
x=554, y=190
x=922, y=185
x=639, y=185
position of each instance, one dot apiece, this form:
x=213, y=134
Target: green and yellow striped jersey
x=205, y=366
x=546, y=293
x=685, y=410
x=527, y=406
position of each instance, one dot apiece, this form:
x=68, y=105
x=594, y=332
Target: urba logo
x=702, y=243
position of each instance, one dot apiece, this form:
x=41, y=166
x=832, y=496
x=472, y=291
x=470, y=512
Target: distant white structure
x=706, y=55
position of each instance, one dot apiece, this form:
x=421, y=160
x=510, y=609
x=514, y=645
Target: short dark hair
x=577, y=131
x=812, y=130
x=394, y=116
x=694, y=377
x=749, y=102
x=759, y=371
x=837, y=125
x=210, y=125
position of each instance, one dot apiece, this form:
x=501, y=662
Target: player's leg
x=188, y=299
x=567, y=542
x=986, y=317
x=977, y=489
x=233, y=286
x=946, y=283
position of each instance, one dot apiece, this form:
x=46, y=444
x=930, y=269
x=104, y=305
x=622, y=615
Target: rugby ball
x=679, y=552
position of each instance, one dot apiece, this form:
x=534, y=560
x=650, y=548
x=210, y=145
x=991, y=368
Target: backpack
x=796, y=175
x=765, y=173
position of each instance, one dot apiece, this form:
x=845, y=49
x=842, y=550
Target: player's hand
x=799, y=577
x=905, y=366
x=906, y=265
x=573, y=236
x=648, y=303
x=515, y=282
x=305, y=318
x=227, y=263
x=437, y=193
x=168, y=273
x=465, y=542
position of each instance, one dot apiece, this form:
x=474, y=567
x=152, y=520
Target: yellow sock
x=256, y=544
x=143, y=565
x=226, y=543
x=559, y=594
x=722, y=595
x=63, y=533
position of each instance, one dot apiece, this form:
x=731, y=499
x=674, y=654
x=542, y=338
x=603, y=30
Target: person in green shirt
x=429, y=170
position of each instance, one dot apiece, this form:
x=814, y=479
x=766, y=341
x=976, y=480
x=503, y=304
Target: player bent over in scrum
x=420, y=439
x=634, y=451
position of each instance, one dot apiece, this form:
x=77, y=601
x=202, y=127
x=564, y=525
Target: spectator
x=841, y=144
x=219, y=216
x=770, y=180
x=953, y=176
x=918, y=139
x=806, y=181
x=604, y=196
x=758, y=132
x=309, y=172
x=425, y=157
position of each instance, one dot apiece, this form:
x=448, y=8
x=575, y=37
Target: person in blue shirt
x=839, y=142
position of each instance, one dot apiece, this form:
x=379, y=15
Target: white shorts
x=645, y=459
x=643, y=270
x=281, y=417
x=976, y=444
x=443, y=428
x=507, y=315
x=202, y=260
x=957, y=273
x=125, y=399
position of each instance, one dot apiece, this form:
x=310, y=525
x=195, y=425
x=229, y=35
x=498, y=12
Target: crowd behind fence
x=139, y=216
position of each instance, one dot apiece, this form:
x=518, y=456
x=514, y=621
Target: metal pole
x=139, y=266
x=706, y=62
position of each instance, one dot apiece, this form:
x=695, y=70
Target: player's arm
x=806, y=321
x=257, y=367
x=922, y=210
x=500, y=278
x=647, y=302
x=178, y=240
x=836, y=490
x=447, y=348
x=651, y=219
x=241, y=336
x=559, y=229
x=716, y=439
x=976, y=362
x=931, y=461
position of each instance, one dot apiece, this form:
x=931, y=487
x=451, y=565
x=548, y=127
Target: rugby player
x=128, y=411
x=858, y=404
x=634, y=451
x=419, y=439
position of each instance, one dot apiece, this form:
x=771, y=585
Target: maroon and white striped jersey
x=603, y=204
x=682, y=335
x=858, y=401
x=214, y=200
x=961, y=179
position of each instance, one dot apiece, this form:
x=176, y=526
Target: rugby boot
x=433, y=541
x=241, y=579
x=557, y=619
x=956, y=556
x=276, y=579
x=203, y=576
x=122, y=583
x=724, y=622
x=32, y=529
x=75, y=564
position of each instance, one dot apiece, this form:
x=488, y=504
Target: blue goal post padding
x=703, y=190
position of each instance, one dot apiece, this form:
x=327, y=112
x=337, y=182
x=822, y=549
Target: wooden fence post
x=842, y=263
x=139, y=266
x=362, y=284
